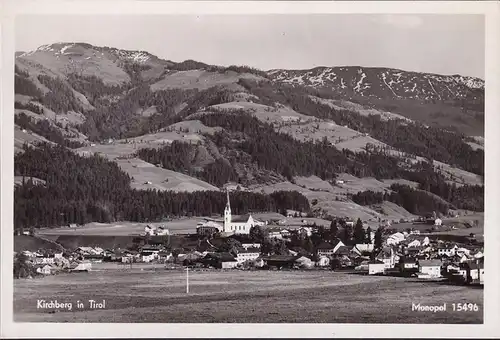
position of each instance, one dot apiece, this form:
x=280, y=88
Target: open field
x=142, y=295
x=182, y=226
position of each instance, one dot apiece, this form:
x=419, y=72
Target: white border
x=490, y=328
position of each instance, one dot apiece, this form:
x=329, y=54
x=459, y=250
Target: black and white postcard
x=315, y=168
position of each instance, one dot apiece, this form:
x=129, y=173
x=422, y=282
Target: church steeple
x=227, y=214
x=228, y=204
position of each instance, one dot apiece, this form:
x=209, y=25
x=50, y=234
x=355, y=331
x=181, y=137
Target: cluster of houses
x=410, y=254
x=153, y=230
x=52, y=262
x=403, y=253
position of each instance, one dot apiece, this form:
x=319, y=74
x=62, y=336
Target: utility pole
x=187, y=280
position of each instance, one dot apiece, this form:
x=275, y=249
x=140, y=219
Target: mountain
x=139, y=133
x=385, y=83
x=453, y=102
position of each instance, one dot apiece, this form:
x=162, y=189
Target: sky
x=434, y=43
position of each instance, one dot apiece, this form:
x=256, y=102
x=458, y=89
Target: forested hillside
x=99, y=100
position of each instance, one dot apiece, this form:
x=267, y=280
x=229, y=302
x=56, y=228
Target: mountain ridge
x=108, y=101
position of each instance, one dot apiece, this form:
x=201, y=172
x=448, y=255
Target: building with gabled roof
x=238, y=224
x=329, y=249
x=429, y=268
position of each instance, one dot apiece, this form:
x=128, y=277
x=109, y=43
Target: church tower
x=227, y=215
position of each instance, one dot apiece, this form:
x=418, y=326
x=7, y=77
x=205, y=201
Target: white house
x=323, y=261
x=248, y=254
x=395, y=238
x=429, y=269
x=159, y=231
x=43, y=260
x=377, y=267
x=80, y=266
x=414, y=243
x=250, y=245
x=438, y=222
x=364, y=247
x=45, y=270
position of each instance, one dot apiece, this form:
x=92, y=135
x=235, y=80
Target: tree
x=22, y=268
x=257, y=234
x=231, y=246
x=347, y=234
x=378, y=238
x=279, y=247
x=267, y=246
x=175, y=254
x=359, y=232
x=334, y=229
x=368, y=235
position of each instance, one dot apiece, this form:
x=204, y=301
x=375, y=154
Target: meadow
x=146, y=294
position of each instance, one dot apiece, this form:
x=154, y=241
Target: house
x=44, y=269
x=462, y=251
x=408, y=266
x=161, y=231
x=280, y=261
x=328, y=249
x=127, y=258
x=376, y=267
x=323, y=261
x=248, y=254
x=415, y=232
x=285, y=233
x=438, y=222
x=415, y=243
x=250, y=245
x=395, y=238
x=220, y=260
x=386, y=255
x=364, y=247
x=305, y=231
x=275, y=233
x=473, y=271
x=429, y=269
x=80, y=267
x=349, y=223
x=83, y=250
x=208, y=228
x=342, y=251
x=149, y=253
x=447, y=250
x=305, y=262
x=294, y=213
x=363, y=266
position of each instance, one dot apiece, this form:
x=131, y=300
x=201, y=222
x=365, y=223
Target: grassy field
x=147, y=295
x=181, y=226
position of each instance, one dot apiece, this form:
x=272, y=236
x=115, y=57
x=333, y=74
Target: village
x=247, y=243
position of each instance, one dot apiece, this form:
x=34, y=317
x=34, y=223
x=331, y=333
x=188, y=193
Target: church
x=231, y=225
x=240, y=224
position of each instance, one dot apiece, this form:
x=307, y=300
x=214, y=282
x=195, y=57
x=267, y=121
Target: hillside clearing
x=148, y=176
